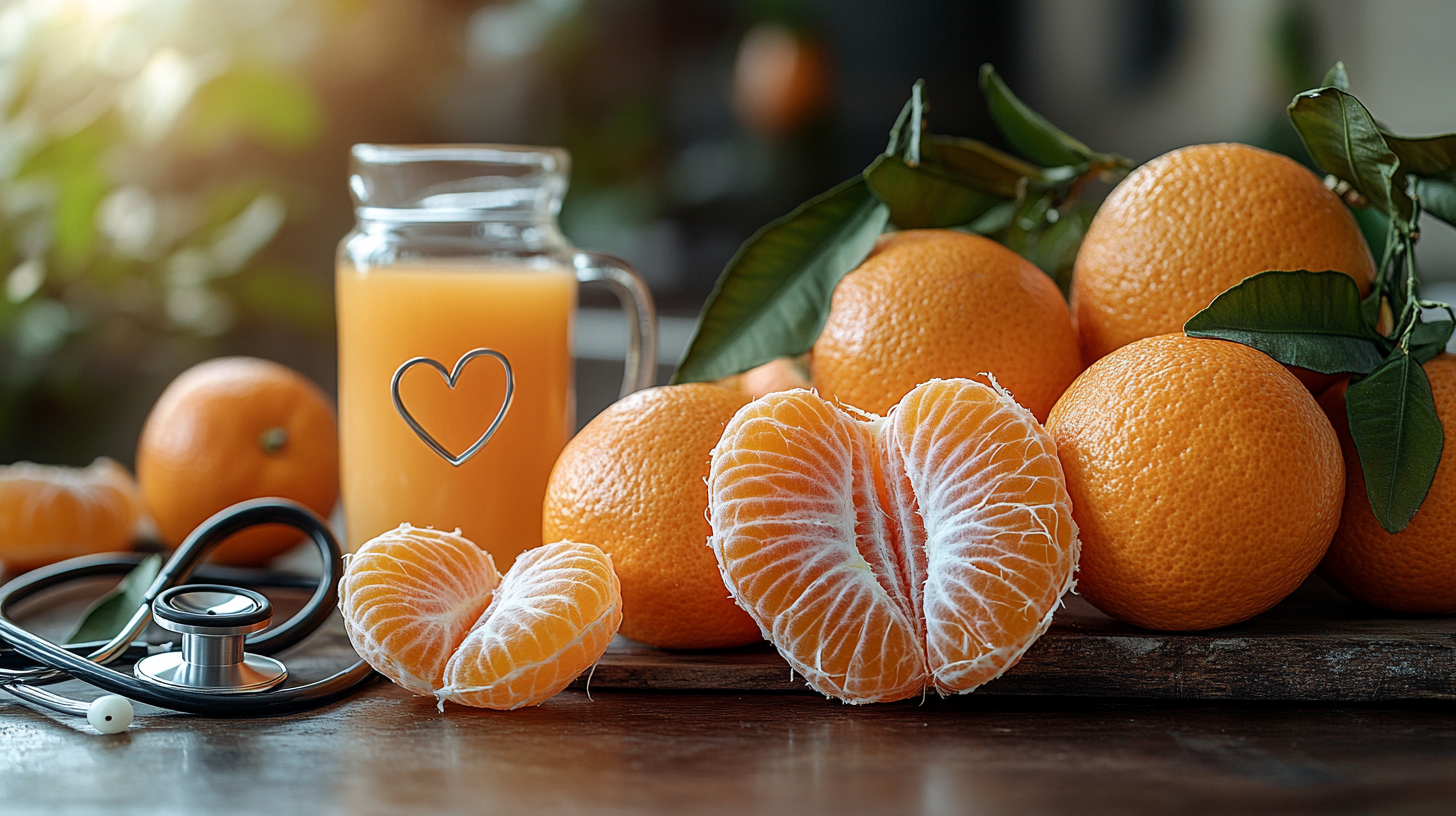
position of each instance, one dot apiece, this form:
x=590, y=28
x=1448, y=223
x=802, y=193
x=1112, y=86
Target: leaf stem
x=1386, y=257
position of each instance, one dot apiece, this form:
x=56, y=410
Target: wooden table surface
x=627, y=751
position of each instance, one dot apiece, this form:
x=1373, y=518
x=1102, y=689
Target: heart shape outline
x=451, y=377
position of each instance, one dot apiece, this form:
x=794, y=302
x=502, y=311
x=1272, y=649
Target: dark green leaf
x=919, y=197
x=995, y=220
x=1345, y=141
x=1306, y=319
x=1438, y=197
x=110, y=614
x=1029, y=133
x=773, y=297
x=1398, y=435
x=1424, y=155
x=1056, y=248
x=1025, y=226
x=1429, y=339
x=1432, y=160
x=1370, y=309
x=1336, y=77
x=982, y=166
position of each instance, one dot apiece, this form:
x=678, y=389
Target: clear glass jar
x=456, y=293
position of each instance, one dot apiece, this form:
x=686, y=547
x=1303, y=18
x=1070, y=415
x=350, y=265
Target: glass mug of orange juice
x=455, y=294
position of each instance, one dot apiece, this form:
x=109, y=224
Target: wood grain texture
x=1316, y=646
x=765, y=752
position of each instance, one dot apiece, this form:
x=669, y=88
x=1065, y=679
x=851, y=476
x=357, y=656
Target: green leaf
x=1429, y=339
x=1438, y=197
x=1056, y=248
x=1432, y=160
x=1424, y=155
x=1029, y=133
x=1336, y=77
x=911, y=116
x=1306, y=319
x=920, y=197
x=982, y=166
x=773, y=297
x=1345, y=141
x=111, y=612
x=1398, y=436
x=996, y=219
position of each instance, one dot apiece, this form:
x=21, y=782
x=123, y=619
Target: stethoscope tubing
x=58, y=663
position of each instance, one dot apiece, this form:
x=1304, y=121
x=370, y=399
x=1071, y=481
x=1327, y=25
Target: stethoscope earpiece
x=110, y=714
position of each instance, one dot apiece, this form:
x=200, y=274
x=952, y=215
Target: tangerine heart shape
x=428, y=610
x=451, y=378
x=887, y=556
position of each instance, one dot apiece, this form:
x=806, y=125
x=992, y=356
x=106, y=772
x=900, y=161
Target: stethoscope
x=222, y=668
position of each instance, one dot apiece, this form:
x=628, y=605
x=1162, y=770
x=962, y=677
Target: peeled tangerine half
x=428, y=610
x=887, y=556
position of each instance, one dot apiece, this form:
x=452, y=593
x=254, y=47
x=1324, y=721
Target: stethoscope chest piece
x=214, y=622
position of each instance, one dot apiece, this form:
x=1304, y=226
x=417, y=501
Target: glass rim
x=552, y=159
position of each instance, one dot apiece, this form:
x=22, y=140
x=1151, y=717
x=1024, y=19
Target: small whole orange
x=1413, y=570
x=1206, y=483
x=232, y=429
x=633, y=482
x=1188, y=225
x=931, y=304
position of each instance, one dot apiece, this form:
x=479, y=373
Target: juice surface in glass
x=441, y=310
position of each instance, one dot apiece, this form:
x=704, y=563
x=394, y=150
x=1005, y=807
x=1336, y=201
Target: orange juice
x=388, y=315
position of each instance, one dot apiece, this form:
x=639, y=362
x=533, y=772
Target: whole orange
x=49, y=513
x=938, y=303
x=1413, y=570
x=1188, y=225
x=1205, y=481
x=233, y=429
x=633, y=482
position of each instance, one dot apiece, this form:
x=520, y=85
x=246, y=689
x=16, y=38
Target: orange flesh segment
x=791, y=495
x=882, y=557
x=409, y=598
x=996, y=522
x=552, y=618
x=429, y=611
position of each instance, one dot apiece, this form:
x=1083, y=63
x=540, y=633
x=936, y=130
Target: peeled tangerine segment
x=428, y=610
x=552, y=618
x=885, y=556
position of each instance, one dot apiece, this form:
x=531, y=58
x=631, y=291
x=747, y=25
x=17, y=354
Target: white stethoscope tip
x=110, y=714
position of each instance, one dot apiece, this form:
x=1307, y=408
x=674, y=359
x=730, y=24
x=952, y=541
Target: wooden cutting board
x=1315, y=646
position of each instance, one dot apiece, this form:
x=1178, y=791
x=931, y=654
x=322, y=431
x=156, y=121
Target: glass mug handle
x=627, y=285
